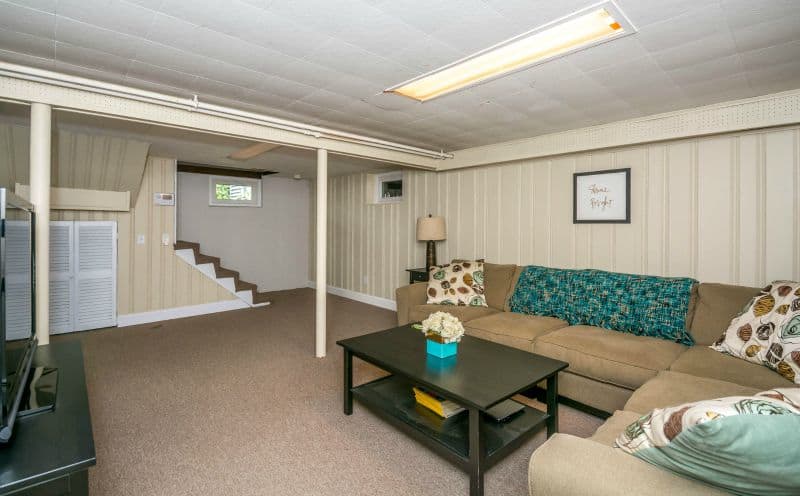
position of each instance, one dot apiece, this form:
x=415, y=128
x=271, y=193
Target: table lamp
x=431, y=229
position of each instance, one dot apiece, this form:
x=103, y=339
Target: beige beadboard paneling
x=81, y=161
x=721, y=208
x=150, y=276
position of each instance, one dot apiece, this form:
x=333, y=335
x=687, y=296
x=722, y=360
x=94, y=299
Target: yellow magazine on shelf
x=441, y=406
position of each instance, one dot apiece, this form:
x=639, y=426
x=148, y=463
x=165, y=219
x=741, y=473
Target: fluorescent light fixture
x=587, y=27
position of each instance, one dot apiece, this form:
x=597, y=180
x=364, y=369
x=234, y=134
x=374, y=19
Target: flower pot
x=441, y=350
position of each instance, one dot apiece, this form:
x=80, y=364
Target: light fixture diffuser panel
x=585, y=28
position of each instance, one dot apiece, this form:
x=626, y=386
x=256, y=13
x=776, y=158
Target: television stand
x=52, y=447
x=40, y=391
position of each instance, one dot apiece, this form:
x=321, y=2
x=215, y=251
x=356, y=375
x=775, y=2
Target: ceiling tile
x=205, y=88
x=359, y=62
x=228, y=17
x=712, y=69
x=711, y=47
x=686, y=28
x=26, y=43
x=309, y=73
x=325, y=16
x=608, y=54
x=742, y=13
x=553, y=70
x=767, y=34
x=25, y=20
x=775, y=78
x=430, y=16
x=645, y=13
x=93, y=59
x=714, y=90
x=425, y=53
x=161, y=75
x=110, y=14
x=764, y=58
x=43, y=5
x=25, y=59
x=470, y=33
x=88, y=36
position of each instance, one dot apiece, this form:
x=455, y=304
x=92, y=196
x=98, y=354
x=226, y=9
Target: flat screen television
x=17, y=312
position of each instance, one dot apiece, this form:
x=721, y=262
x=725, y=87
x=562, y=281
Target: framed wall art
x=602, y=197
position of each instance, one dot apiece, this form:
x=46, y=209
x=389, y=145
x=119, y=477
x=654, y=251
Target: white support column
x=322, y=244
x=41, y=122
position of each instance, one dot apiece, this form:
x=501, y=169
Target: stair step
x=244, y=286
x=220, y=272
x=223, y=272
x=260, y=298
x=186, y=245
x=200, y=258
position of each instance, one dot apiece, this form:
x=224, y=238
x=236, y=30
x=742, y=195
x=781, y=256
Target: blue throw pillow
x=748, y=445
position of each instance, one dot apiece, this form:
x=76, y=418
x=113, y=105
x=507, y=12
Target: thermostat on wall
x=164, y=198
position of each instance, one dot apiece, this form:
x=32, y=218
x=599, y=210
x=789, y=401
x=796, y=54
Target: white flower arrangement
x=446, y=327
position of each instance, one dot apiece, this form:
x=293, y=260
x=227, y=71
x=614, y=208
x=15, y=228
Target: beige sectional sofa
x=614, y=372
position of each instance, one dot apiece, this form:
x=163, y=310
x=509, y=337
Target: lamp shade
x=431, y=229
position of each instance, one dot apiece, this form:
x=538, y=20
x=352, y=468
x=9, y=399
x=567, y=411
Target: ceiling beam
x=25, y=84
x=777, y=109
x=222, y=171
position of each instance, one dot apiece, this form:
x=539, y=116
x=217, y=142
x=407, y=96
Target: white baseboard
x=375, y=301
x=179, y=312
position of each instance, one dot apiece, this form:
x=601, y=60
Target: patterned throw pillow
x=768, y=331
x=743, y=444
x=457, y=284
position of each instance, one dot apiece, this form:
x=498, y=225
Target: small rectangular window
x=234, y=192
x=389, y=187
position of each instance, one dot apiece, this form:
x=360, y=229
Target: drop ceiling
x=326, y=62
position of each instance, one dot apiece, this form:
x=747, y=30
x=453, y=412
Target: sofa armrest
x=571, y=466
x=408, y=296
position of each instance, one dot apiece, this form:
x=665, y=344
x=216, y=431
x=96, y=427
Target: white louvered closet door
x=62, y=294
x=18, y=280
x=95, y=274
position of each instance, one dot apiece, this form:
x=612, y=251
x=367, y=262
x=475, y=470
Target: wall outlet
x=140, y=239
x=365, y=280
x=165, y=239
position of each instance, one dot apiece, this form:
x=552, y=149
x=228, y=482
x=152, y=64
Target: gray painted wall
x=268, y=245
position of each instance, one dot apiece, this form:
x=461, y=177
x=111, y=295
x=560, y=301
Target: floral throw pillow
x=768, y=331
x=743, y=444
x=458, y=283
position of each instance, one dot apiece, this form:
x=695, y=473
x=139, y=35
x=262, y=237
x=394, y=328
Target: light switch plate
x=140, y=239
x=165, y=239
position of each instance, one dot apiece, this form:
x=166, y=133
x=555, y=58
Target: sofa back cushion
x=642, y=305
x=497, y=279
x=716, y=305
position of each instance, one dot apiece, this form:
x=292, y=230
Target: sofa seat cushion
x=608, y=356
x=705, y=362
x=670, y=388
x=464, y=314
x=608, y=433
x=513, y=329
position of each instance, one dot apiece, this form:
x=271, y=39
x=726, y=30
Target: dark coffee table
x=482, y=375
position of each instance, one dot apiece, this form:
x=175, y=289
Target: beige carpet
x=236, y=404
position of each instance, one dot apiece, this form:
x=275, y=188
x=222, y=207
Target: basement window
x=234, y=192
x=389, y=187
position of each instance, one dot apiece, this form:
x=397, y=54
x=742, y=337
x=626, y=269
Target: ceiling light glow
x=573, y=33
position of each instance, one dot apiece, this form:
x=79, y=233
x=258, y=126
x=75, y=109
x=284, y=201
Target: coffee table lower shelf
x=392, y=398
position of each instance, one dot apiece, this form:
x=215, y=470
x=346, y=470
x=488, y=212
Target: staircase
x=210, y=266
